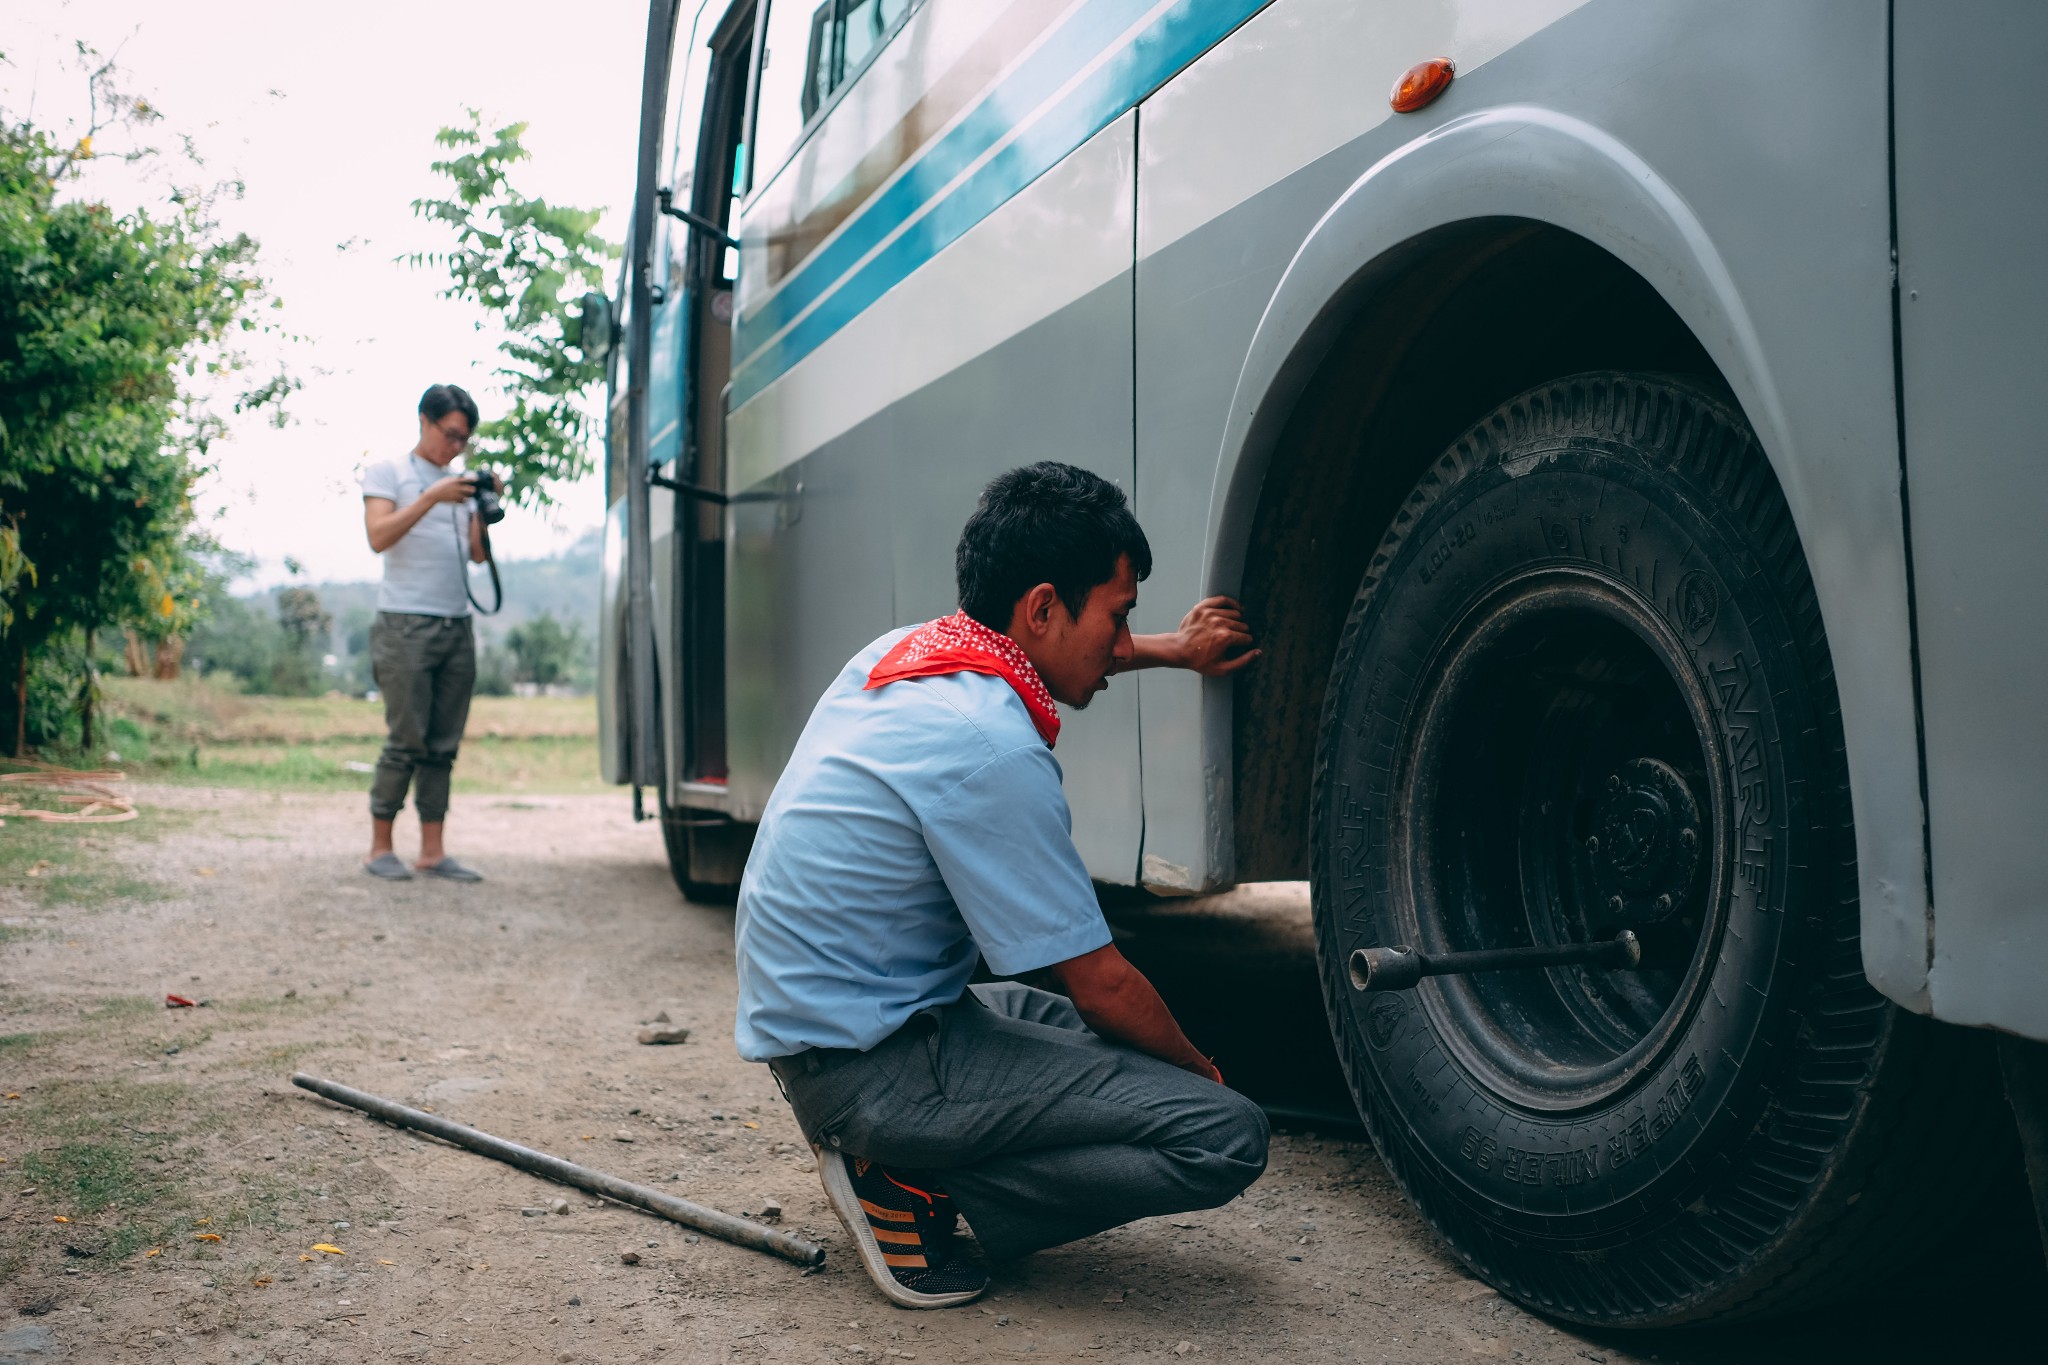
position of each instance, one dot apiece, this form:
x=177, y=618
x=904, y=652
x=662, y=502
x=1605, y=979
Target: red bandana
x=961, y=644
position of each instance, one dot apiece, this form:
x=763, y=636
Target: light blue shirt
x=913, y=826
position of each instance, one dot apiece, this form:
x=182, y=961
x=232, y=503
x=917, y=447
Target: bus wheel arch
x=1414, y=349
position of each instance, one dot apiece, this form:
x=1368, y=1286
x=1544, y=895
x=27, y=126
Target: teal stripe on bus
x=1072, y=46
x=1181, y=35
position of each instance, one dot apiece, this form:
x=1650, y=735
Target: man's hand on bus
x=1213, y=640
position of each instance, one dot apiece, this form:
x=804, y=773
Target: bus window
x=811, y=50
x=841, y=43
x=861, y=30
x=780, y=103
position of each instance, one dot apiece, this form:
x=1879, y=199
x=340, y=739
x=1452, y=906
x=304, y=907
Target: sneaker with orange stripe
x=904, y=1230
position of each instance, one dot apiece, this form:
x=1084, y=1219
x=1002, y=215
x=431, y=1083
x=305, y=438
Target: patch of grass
x=197, y=711
x=286, y=1058
x=14, y=933
x=90, y=1176
x=201, y=733
x=157, y=821
x=126, y=1238
x=550, y=765
x=97, y=886
x=103, y=1153
x=81, y=1110
x=130, y=1163
x=263, y=1006
x=116, y=1008
x=184, y=1042
x=59, y=864
x=27, y=843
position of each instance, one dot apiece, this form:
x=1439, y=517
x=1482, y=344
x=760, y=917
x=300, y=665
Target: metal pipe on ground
x=725, y=1226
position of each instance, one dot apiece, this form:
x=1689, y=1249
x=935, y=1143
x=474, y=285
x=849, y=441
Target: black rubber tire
x=706, y=853
x=1792, y=1135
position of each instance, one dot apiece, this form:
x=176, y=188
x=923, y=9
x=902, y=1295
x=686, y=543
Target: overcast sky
x=327, y=114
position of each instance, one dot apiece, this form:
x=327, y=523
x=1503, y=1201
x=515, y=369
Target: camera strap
x=490, y=562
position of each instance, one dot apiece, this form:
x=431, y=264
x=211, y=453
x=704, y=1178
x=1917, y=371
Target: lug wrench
x=1400, y=969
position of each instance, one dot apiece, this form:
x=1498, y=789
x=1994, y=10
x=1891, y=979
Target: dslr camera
x=485, y=486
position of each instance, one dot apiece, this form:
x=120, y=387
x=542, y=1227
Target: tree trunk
x=170, y=654
x=85, y=696
x=138, y=661
x=21, y=694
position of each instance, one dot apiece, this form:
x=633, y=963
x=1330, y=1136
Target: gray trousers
x=425, y=667
x=1041, y=1131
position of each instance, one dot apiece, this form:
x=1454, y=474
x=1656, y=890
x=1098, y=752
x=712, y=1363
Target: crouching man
x=920, y=824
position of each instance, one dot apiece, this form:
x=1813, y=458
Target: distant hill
x=564, y=586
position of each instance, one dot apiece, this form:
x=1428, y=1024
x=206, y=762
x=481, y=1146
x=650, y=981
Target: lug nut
x=1663, y=905
x=1614, y=904
x=1614, y=782
x=1592, y=843
x=1690, y=838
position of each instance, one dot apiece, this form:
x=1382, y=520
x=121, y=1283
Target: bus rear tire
x=1584, y=686
x=707, y=853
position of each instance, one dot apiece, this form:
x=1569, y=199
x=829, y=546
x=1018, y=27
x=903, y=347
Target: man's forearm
x=386, y=529
x=1155, y=651
x=1117, y=1002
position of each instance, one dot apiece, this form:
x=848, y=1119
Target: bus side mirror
x=593, y=327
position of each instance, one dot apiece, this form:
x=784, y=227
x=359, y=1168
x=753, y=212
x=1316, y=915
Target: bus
x=1616, y=420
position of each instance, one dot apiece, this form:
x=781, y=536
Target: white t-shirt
x=424, y=572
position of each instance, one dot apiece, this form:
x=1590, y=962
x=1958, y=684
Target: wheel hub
x=1563, y=743
x=1648, y=842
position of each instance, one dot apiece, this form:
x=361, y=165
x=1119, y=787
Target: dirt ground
x=513, y=1006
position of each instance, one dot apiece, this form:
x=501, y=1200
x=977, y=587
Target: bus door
x=665, y=536
x=706, y=266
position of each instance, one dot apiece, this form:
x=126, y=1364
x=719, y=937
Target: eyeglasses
x=452, y=438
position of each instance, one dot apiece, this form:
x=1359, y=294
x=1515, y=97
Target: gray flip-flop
x=387, y=866
x=449, y=870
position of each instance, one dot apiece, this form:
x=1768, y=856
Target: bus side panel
x=1012, y=344
x=1062, y=391
x=807, y=584
x=1972, y=197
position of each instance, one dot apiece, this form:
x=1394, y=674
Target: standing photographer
x=422, y=651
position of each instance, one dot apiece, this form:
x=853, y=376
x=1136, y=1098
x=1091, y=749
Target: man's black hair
x=442, y=399
x=1044, y=523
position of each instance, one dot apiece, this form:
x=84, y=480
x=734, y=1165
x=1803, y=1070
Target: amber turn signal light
x=1421, y=83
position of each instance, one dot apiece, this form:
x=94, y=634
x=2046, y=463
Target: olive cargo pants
x=425, y=667
x=1041, y=1131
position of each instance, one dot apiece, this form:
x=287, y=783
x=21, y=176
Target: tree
x=115, y=323
x=176, y=597
x=307, y=629
x=542, y=651
x=525, y=262
x=239, y=640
